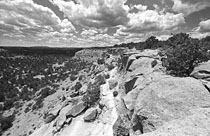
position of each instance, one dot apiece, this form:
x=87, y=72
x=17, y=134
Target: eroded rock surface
x=202, y=71
x=164, y=99
x=119, y=128
x=148, y=102
x=76, y=110
x=92, y=116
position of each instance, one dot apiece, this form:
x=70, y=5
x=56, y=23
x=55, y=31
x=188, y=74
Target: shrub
x=92, y=94
x=154, y=63
x=6, y=122
x=184, y=54
x=100, y=61
x=27, y=109
x=78, y=86
x=73, y=77
x=115, y=93
x=38, y=104
x=8, y=104
x=46, y=92
x=107, y=76
x=100, y=79
x=151, y=43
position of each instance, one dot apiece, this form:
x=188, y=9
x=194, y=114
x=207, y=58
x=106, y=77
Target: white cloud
x=95, y=13
x=204, y=26
x=199, y=35
x=32, y=21
x=87, y=33
x=187, y=8
x=152, y=20
x=202, y=30
x=139, y=7
x=163, y=37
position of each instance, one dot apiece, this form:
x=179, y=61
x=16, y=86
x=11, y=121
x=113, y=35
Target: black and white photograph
x=104, y=67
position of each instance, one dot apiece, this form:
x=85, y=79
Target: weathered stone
x=130, y=99
x=60, y=120
x=74, y=94
x=55, y=111
x=49, y=118
x=76, y=110
x=171, y=98
x=142, y=66
x=92, y=116
x=196, y=124
x=119, y=128
x=68, y=121
x=202, y=71
x=112, y=83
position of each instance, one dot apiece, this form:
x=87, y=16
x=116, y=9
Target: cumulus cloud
x=91, y=22
x=163, y=37
x=95, y=13
x=199, y=35
x=202, y=30
x=187, y=8
x=204, y=26
x=24, y=18
x=152, y=20
x=89, y=32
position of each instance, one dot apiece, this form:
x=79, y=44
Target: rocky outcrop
x=49, y=118
x=119, y=128
x=196, y=124
x=163, y=99
x=143, y=100
x=76, y=110
x=202, y=71
x=92, y=116
x=59, y=122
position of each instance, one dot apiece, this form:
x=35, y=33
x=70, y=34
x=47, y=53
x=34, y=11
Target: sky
x=87, y=23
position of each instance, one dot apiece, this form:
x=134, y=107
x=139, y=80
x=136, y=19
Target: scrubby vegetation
x=182, y=52
x=6, y=123
x=92, y=94
x=93, y=91
x=33, y=73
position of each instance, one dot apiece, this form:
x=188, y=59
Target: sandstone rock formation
x=202, y=71
x=148, y=102
x=92, y=116
x=76, y=110
x=119, y=128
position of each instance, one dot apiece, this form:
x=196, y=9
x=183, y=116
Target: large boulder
x=55, y=111
x=76, y=110
x=171, y=98
x=49, y=118
x=91, y=116
x=202, y=71
x=142, y=66
x=196, y=124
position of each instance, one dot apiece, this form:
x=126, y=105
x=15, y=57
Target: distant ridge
x=41, y=50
